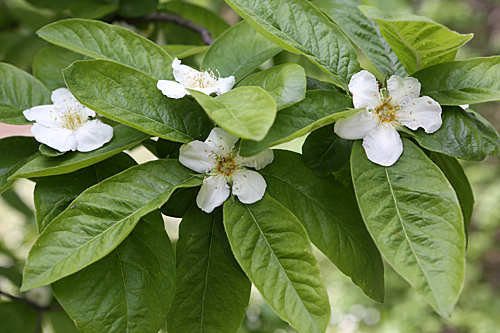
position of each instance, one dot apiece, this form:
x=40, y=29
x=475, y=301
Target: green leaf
x=49, y=152
x=57, y=5
x=92, y=9
x=60, y=322
x=12, y=274
x=285, y=83
x=418, y=41
x=17, y=317
x=462, y=82
x=319, y=108
x=414, y=217
x=325, y=152
x=133, y=8
x=272, y=247
x=123, y=138
x=329, y=213
x=140, y=276
x=211, y=294
x=100, y=218
x=167, y=149
x=130, y=97
x=183, y=51
x=247, y=112
x=457, y=178
x=180, y=201
x=100, y=40
x=19, y=91
x=364, y=32
x=238, y=51
x=314, y=84
x=49, y=63
x=462, y=135
x=54, y=194
x=299, y=27
x=15, y=151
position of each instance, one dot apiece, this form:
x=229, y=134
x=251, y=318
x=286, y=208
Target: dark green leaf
x=134, y=8
x=167, y=149
x=17, y=317
x=49, y=152
x=414, y=217
x=314, y=84
x=61, y=322
x=272, y=247
x=180, y=201
x=330, y=215
x=211, y=295
x=92, y=9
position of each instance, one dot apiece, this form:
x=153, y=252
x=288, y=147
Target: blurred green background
x=478, y=310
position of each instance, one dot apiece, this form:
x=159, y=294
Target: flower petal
x=58, y=138
x=248, y=185
x=402, y=90
x=464, y=106
x=258, y=161
x=172, y=89
x=92, y=135
x=206, y=91
x=213, y=193
x=61, y=95
x=383, y=145
x=196, y=156
x=421, y=112
x=224, y=84
x=356, y=126
x=221, y=142
x=42, y=114
x=364, y=89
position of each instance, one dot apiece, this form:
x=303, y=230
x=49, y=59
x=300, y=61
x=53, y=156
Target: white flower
x=386, y=110
x=190, y=78
x=217, y=158
x=65, y=125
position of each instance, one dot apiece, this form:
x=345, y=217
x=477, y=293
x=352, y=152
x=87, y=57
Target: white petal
x=464, y=106
x=196, y=156
x=206, y=91
x=421, y=112
x=258, y=161
x=42, y=114
x=61, y=139
x=213, y=193
x=181, y=72
x=364, y=89
x=402, y=90
x=225, y=84
x=92, y=135
x=221, y=142
x=248, y=185
x=356, y=126
x=86, y=111
x=60, y=95
x=172, y=89
x=383, y=145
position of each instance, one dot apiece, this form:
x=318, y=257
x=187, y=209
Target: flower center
x=226, y=166
x=72, y=119
x=195, y=79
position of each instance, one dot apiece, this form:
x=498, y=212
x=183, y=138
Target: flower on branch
x=187, y=77
x=67, y=124
x=384, y=111
x=220, y=160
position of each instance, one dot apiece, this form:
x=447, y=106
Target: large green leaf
x=130, y=289
x=299, y=27
x=418, y=41
x=364, y=32
x=17, y=317
x=131, y=97
x=124, y=138
x=462, y=82
x=19, y=91
x=462, y=135
x=49, y=63
x=319, y=108
x=247, y=112
x=15, y=151
x=414, y=217
x=211, y=294
x=54, y=194
x=182, y=51
x=100, y=40
x=285, y=83
x=325, y=152
x=100, y=218
x=238, y=51
x=272, y=247
x=330, y=215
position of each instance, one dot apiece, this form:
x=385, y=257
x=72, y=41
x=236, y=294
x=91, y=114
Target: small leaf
x=19, y=91
x=238, y=51
x=102, y=217
x=414, y=217
x=207, y=283
x=285, y=83
x=124, y=138
x=272, y=247
x=49, y=152
x=247, y=112
x=418, y=41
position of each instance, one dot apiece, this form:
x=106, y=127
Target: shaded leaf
x=180, y=201
x=17, y=317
